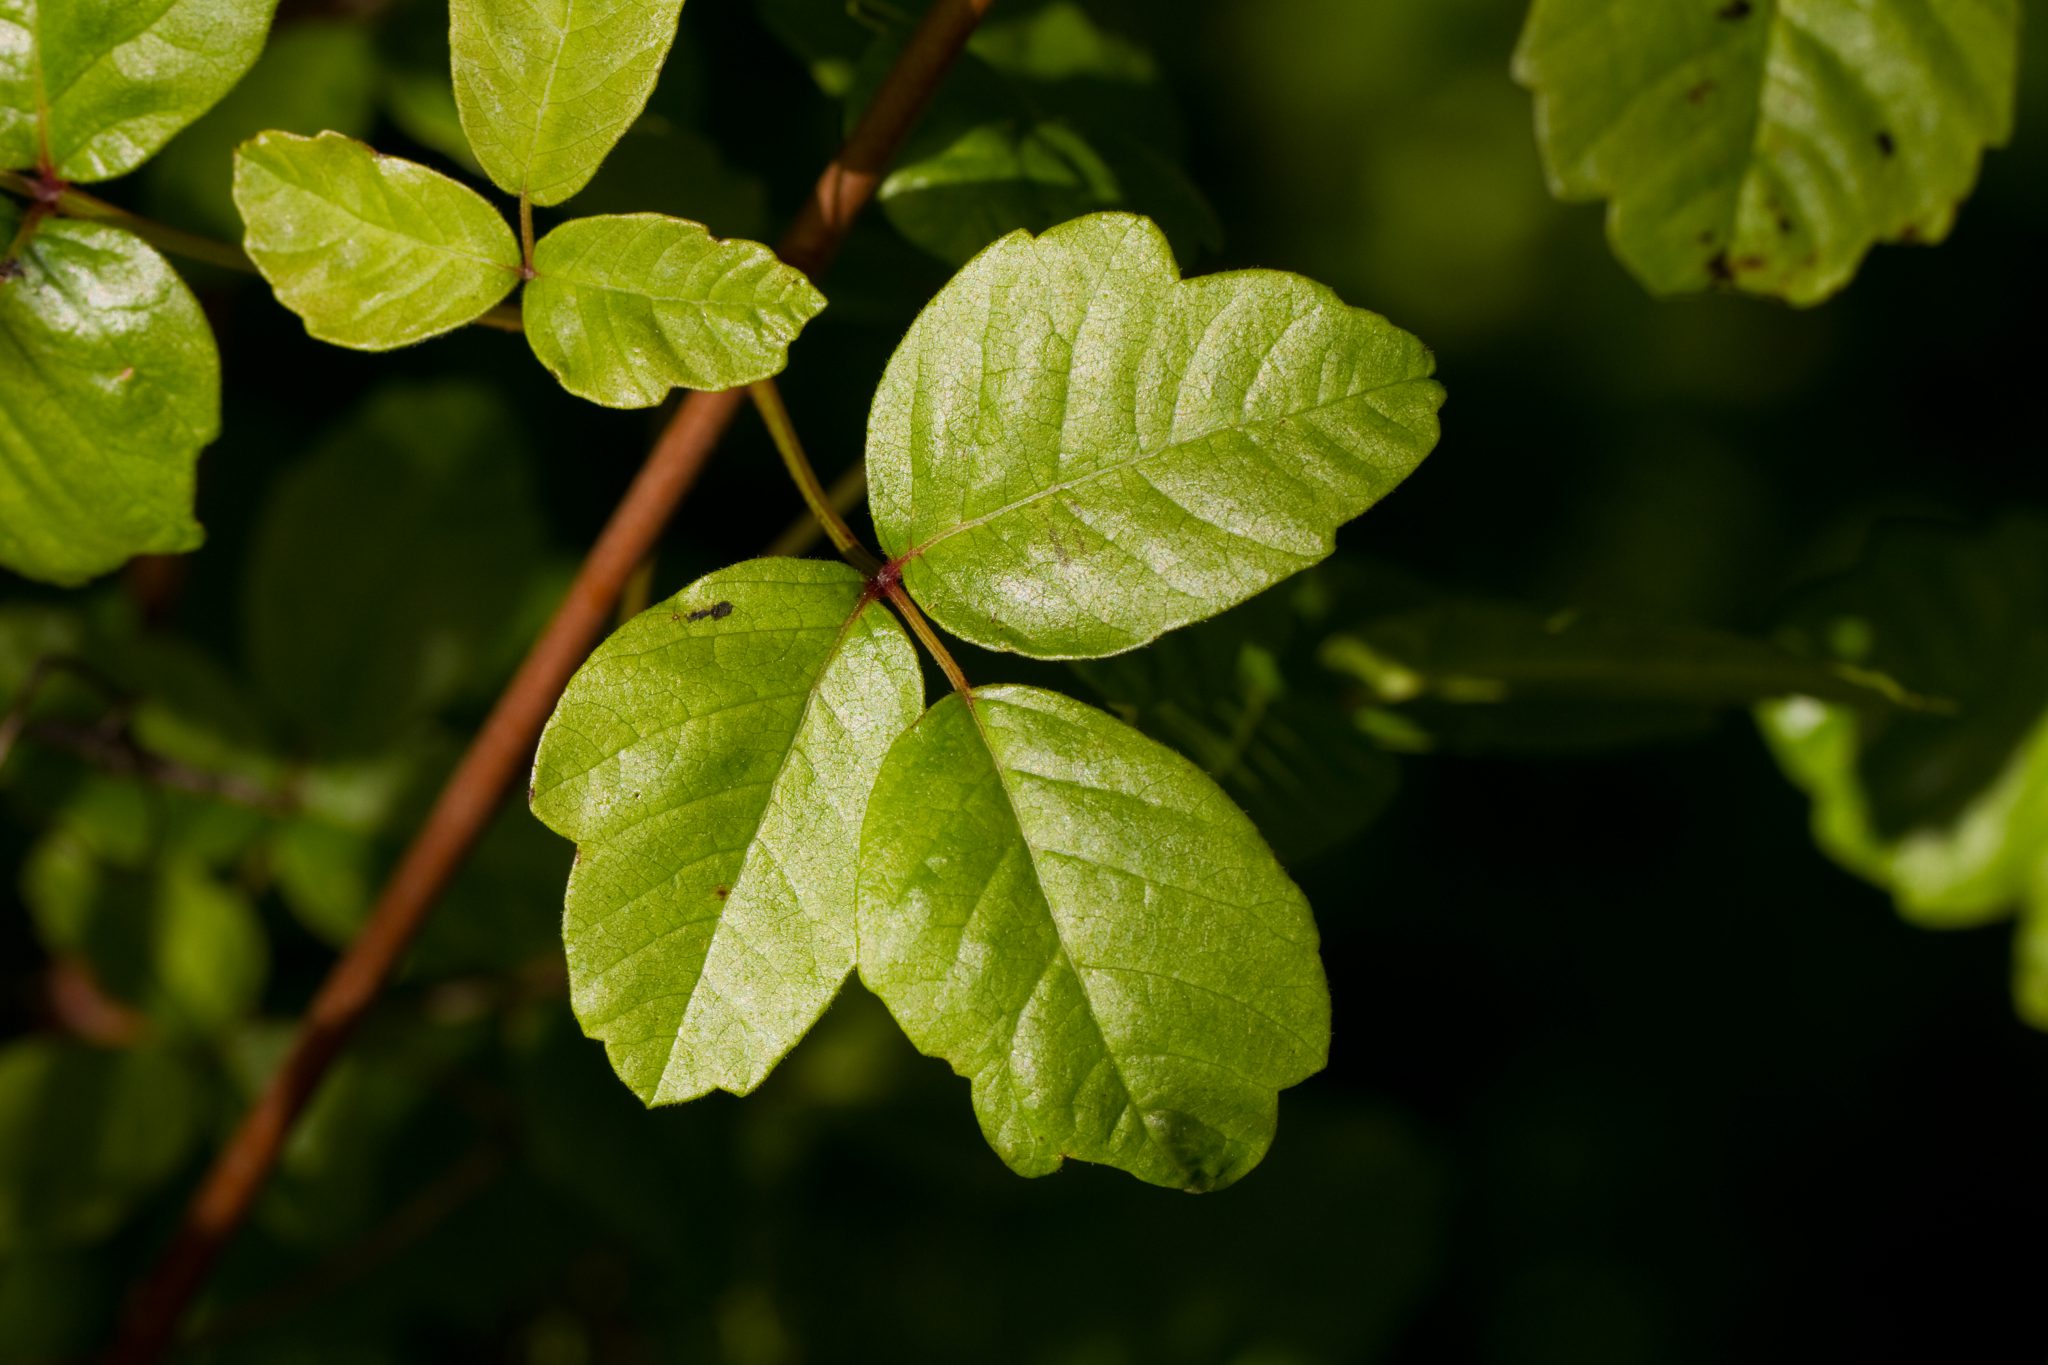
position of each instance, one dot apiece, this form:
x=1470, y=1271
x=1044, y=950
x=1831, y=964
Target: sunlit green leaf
x=1477, y=676
x=1947, y=811
x=1077, y=920
x=84, y=1134
x=352, y=644
x=96, y=88
x=712, y=761
x=547, y=86
x=1768, y=144
x=1048, y=117
x=109, y=387
x=372, y=251
x=1235, y=695
x=1076, y=451
x=317, y=76
x=624, y=309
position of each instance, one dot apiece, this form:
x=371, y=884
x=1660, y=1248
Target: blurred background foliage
x=1626, y=1069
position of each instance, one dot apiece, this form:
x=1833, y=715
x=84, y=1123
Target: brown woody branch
x=502, y=747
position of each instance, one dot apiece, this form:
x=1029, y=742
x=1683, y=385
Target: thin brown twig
x=76, y=203
x=502, y=747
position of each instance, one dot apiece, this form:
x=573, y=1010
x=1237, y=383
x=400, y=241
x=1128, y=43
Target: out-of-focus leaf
x=167, y=938
x=372, y=578
x=546, y=89
x=712, y=761
x=313, y=77
x=1768, y=144
x=1473, y=675
x=1949, y=812
x=624, y=309
x=1076, y=451
x=97, y=88
x=1049, y=117
x=109, y=387
x=372, y=251
x=829, y=37
x=1082, y=924
x=84, y=1135
x=1268, y=726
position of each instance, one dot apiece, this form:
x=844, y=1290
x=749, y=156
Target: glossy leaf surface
x=1082, y=924
x=1078, y=451
x=314, y=76
x=109, y=387
x=624, y=309
x=374, y=252
x=546, y=87
x=1768, y=144
x=99, y=85
x=1243, y=697
x=713, y=761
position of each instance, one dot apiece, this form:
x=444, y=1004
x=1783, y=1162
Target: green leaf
x=1236, y=696
x=1049, y=117
x=372, y=251
x=97, y=88
x=1948, y=812
x=712, y=761
x=1076, y=451
x=1077, y=920
x=1768, y=144
x=84, y=1135
x=109, y=388
x=1478, y=676
x=546, y=87
x=315, y=76
x=169, y=939
x=353, y=644
x=624, y=309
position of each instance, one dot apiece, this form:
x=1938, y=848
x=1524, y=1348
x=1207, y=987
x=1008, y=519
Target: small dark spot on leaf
x=1885, y=145
x=1717, y=268
x=1733, y=10
x=1699, y=92
x=1785, y=223
x=675, y=616
x=721, y=891
x=1707, y=237
x=1909, y=234
x=9, y=270
x=718, y=611
x=1751, y=263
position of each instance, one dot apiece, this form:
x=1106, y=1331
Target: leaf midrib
x=1067, y=953
x=1054, y=490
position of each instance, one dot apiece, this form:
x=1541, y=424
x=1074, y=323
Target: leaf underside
x=713, y=761
x=1768, y=144
x=546, y=88
x=97, y=87
x=109, y=388
x=624, y=309
x=1082, y=924
x=1077, y=450
x=374, y=252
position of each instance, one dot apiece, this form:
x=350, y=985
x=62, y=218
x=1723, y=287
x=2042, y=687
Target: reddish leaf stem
x=503, y=746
